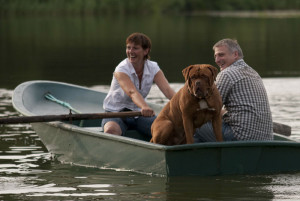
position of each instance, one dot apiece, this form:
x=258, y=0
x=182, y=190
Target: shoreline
x=211, y=13
x=250, y=14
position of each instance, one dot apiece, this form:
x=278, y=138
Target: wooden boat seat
x=98, y=129
x=130, y=133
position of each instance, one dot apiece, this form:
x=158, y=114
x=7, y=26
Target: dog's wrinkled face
x=200, y=78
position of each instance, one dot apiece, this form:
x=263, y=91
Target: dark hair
x=140, y=39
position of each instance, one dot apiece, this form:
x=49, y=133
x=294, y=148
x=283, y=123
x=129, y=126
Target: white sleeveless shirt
x=116, y=99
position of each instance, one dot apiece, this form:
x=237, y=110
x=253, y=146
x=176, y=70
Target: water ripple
x=12, y=185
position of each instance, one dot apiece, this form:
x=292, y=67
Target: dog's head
x=200, y=78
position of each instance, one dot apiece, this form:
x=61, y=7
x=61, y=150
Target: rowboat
x=83, y=142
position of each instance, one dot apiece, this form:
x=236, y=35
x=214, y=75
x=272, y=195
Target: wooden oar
x=67, y=117
x=277, y=127
x=282, y=129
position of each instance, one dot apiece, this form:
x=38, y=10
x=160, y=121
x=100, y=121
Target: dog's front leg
x=217, y=126
x=188, y=129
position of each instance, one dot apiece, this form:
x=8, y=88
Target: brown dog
x=196, y=103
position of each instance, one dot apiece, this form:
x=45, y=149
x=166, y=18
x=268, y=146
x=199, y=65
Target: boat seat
x=99, y=129
x=130, y=133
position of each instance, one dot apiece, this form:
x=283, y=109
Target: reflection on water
x=76, y=47
x=28, y=172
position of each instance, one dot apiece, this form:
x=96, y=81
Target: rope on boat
x=50, y=97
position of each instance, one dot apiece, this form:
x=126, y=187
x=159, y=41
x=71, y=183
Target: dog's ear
x=186, y=72
x=214, y=71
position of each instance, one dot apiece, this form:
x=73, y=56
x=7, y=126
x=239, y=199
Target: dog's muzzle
x=199, y=92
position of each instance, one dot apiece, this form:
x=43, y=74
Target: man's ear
x=236, y=55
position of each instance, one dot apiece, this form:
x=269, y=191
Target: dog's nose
x=198, y=83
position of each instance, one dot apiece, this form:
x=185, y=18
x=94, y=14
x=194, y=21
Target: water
x=28, y=172
x=85, y=50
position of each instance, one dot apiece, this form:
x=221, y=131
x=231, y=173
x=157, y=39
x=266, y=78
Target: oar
x=282, y=129
x=67, y=117
x=277, y=127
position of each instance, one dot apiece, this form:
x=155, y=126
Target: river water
x=84, y=50
x=28, y=172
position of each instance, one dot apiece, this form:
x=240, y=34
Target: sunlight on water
x=73, y=195
x=96, y=186
x=17, y=186
x=284, y=185
x=284, y=97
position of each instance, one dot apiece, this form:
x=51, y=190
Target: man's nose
x=216, y=59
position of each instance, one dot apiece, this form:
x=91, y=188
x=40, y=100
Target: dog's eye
x=205, y=78
x=195, y=76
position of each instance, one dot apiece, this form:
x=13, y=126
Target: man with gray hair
x=246, y=112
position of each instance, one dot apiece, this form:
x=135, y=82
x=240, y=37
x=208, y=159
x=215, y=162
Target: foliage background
x=145, y=7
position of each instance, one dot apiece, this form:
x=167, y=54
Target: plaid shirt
x=245, y=98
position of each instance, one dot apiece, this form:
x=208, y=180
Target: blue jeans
x=206, y=133
x=141, y=124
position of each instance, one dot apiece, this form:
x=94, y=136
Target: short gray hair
x=231, y=44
